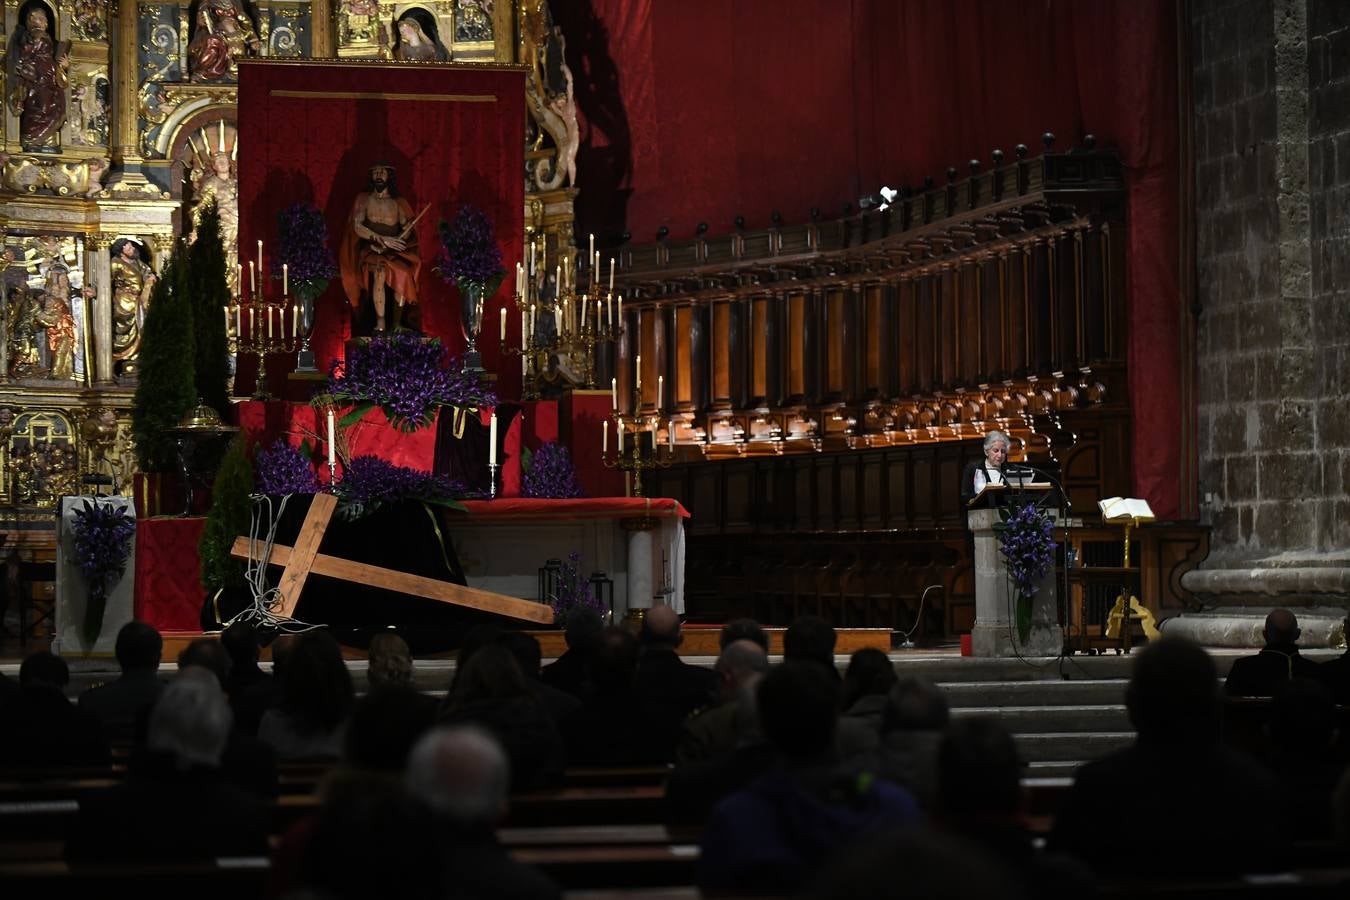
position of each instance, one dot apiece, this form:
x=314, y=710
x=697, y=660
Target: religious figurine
x=21, y=317
x=375, y=254
x=416, y=39
x=221, y=185
x=222, y=34
x=37, y=72
x=55, y=315
x=132, y=281
x=473, y=20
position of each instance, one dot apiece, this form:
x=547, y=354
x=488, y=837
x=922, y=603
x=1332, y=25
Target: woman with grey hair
x=988, y=470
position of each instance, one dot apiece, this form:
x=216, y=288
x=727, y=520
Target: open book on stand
x=1119, y=509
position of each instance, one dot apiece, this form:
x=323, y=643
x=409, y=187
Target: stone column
x=639, y=581
x=98, y=266
x=995, y=633
x=322, y=44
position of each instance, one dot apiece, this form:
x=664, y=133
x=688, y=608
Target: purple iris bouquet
x=408, y=377
x=1027, y=540
x=550, y=474
x=303, y=235
x=369, y=482
x=469, y=255
x=283, y=469
x=103, y=534
x=573, y=591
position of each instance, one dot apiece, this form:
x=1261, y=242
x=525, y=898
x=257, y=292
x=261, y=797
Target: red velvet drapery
x=703, y=110
x=454, y=135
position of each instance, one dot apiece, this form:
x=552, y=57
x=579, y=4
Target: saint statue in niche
x=21, y=321
x=473, y=20
x=379, y=253
x=214, y=179
x=416, y=38
x=55, y=315
x=37, y=77
x=132, y=280
x=222, y=34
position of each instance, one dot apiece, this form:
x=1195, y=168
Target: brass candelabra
x=641, y=452
x=262, y=327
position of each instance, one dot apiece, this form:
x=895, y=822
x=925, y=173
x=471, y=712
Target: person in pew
x=123, y=705
x=571, y=671
x=769, y=838
x=41, y=728
x=390, y=667
x=207, y=653
x=1302, y=735
x=980, y=798
x=1278, y=661
x=9, y=689
x=316, y=696
x=912, y=726
x=719, y=730
x=669, y=689
x=867, y=680
x=1204, y=809
x=256, y=699
x=490, y=691
x=743, y=630
x=247, y=683
x=559, y=704
x=462, y=776
x=611, y=727
x=180, y=806
x=811, y=638
x=916, y=864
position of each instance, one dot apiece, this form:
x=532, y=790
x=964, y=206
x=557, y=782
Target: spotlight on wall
x=880, y=200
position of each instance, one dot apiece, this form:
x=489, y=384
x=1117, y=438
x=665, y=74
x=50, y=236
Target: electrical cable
x=261, y=612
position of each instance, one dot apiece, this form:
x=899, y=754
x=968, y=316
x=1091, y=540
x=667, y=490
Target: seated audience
x=43, y=729
x=1302, y=735
x=207, y=653
x=559, y=704
x=668, y=689
x=124, y=702
x=248, y=686
x=1208, y=810
x=571, y=671
x=490, y=691
x=769, y=838
x=731, y=723
x=743, y=630
x=610, y=727
x=1277, y=662
x=912, y=726
x=264, y=694
x=867, y=680
x=914, y=864
x=390, y=667
x=315, y=699
x=811, y=638
x=176, y=805
x=463, y=778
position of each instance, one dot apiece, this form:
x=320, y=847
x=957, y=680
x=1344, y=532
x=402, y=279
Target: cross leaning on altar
x=304, y=558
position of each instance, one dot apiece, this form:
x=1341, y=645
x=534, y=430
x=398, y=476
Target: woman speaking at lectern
x=989, y=470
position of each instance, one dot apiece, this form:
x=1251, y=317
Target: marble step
x=1063, y=746
x=1053, y=719
x=1092, y=692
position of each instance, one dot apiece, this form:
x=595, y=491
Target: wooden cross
x=304, y=558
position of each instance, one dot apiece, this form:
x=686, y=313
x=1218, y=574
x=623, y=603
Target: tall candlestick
x=332, y=452
x=285, y=279
x=503, y=324
x=492, y=440
x=611, y=274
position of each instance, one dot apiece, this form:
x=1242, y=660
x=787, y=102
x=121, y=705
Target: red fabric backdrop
x=703, y=110
x=318, y=148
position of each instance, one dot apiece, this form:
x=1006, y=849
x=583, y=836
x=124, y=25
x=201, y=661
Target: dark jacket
x=1265, y=673
x=670, y=691
x=42, y=729
x=123, y=705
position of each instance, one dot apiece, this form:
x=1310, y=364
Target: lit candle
x=660, y=389
x=598, y=317
x=492, y=440
x=252, y=278
x=238, y=321
x=618, y=429
x=532, y=270
x=531, y=320
x=332, y=451
x=251, y=332
x=638, y=368
x=260, y=268
x=620, y=312
x=557, y=281
x=285, y=279
x=239, y=284
x=520, y=280
x=604, y=438
x=269, y=323
x=591, y=255
x=609, y=308
x=295, y=320
x=614, y=392
x=670, y=432
x=611, y=274
x=227, y=320
x=503, y=324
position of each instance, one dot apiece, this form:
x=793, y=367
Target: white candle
x=620, y=313
x=670, y=432
x=638, y=369
x=531, y=320
x=251, y=332
x=503, y=324
x=592, y=253
x=260, y=268
x=227, y=321
x=285, y=279
x=332, y=452
x=618, y=429
x=252, y=278
x=238, y=321
x=295, y=320
x=269, y=323
x=614, y=392
x=598, y=317
x=239, y=284
x=557, y=282
x=609, y=308
x=611, y=274
x=660, y=389
x=532, y=258
x=604, y=438
x=492, y=440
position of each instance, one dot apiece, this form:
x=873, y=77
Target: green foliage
x=209, y=290
x=165, y=388
x=230, y=516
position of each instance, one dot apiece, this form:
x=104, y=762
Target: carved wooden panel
x=795, y=352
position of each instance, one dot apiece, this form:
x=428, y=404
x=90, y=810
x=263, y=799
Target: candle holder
x=493, y=468
x=259, y=327
x=630, y=456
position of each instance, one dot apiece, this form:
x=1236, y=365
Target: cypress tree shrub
x=209, y=290
x=230, y=516
x=165, y=389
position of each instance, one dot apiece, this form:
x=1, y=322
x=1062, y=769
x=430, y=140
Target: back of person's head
x=138, y=646
x=525, y=648
x=935, y=866
x=661, y=627
x=475, y=639
x=1173, y=692
x=798, y=706
x=869, y=672
x=192, y=719
x=743, y=630
x=979, y=771
x=316, y=688
x=282, y=648
x=810, y=637
x=491, y=674
x=207, y=653
x=614, y=662
x=44, y=669
x=462, y=774
x=583, y=628
x=240, y=640
x=1302, y=717
x=915, y=704
x=383, y=728
x=740, y=663
x=1281, y=627
x=390, y=661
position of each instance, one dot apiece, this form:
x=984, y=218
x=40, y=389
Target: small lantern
x=602, y=589
x=550, y=578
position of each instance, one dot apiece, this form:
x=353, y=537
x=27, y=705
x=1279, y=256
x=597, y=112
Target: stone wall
x=1272, y=166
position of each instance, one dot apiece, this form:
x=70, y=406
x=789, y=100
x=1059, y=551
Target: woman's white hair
x=994, y=437
x=191, y=719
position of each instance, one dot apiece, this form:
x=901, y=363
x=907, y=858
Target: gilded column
x=164, y=246
x=98, y=265
x=126, y=151
x=321, y=29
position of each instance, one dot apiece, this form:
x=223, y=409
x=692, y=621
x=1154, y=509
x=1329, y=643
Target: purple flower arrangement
x=103, y=534
x=469, y=254
x=1027, y=541
x=573, y=592
x=283, y=469
x=369, y=482
x=550, y=474
x=303, y=235
x=408, y=377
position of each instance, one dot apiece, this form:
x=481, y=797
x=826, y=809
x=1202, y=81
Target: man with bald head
x=731, y=723
x=1265, y=673
x=667, y=688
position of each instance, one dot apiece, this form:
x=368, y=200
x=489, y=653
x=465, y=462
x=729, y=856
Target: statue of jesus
x=379, y=251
